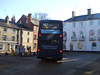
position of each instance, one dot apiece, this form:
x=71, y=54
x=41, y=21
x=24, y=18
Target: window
x=91, y=23
x=99, y=22
x=92, y=37
x=5, y=29
x=28, y=33
x=94, y=44
x=26, y=21
x=64, y=34
x=1, y=47
x=74, y=34
x=35, y=28
x=73, y=37
x=0, y=32
x=13, y=30
x=20, y=22
x=81, y=24
x=13, y=38
x=4, y=37
x=79, y=46
x=73, y=24
x=64, y=45
x=64, y=26
x=81, y=34
x=35, y=36
x=27, y=40
x=34, y=45
x=99, y=34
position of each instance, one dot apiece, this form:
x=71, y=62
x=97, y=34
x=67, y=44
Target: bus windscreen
x=50, y=26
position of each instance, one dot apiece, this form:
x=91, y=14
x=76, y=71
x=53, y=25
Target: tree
x=41, y=16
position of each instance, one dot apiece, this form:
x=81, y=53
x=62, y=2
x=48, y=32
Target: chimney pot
x=13, y=19
x=89, y=12
x=73, y=14
x=29, y=17
x=7, y=19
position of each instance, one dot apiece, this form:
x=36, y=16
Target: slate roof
x=84, y=17
x=35, y=21
x=3, y=23
x=23, y=26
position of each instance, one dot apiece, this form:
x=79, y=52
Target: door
x=94, y=45
x=71, y=47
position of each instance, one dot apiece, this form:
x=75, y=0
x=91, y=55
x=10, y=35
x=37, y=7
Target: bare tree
x=41, y=16
x=35, y=15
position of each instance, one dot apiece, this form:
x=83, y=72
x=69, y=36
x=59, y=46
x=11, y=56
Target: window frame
x=14, y=31
x=2, y=47
x=28, y=40
x=4, y=37
x=35, y=28
x=13, y=38
x=5, y=29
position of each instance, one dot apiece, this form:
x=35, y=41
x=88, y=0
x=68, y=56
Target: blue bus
x=50, y=39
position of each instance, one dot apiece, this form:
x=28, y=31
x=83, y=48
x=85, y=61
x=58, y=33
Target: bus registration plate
x=49, y=58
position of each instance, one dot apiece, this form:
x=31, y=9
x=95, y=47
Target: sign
x=49, y=47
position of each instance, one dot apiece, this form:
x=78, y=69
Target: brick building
x=33, y=24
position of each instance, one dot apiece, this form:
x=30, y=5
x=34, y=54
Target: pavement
x=73, y=63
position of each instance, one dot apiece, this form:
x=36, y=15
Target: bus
x=50, y=39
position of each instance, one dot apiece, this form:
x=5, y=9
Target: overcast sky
x=56, y=9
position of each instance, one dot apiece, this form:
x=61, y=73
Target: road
x=73, y=63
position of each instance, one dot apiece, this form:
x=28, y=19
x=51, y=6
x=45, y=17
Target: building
x=34, y=25
x=8, y=35
x=25, y=37
x=82, y=33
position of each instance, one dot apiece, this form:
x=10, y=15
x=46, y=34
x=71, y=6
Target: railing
x=64, y=38
x=73, y=38
x=81, y=39
x=92, y=39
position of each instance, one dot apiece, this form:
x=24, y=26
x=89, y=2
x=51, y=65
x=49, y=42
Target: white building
x=82, y=33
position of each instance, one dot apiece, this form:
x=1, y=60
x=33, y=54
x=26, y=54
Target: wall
x=86, y=44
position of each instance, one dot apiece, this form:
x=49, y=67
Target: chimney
x=13, y=19
x=89, y=12
x=29, y=17
x=73, y=14
x=7, y=19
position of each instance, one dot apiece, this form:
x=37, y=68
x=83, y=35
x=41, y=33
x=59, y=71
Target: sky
x=56, y=9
